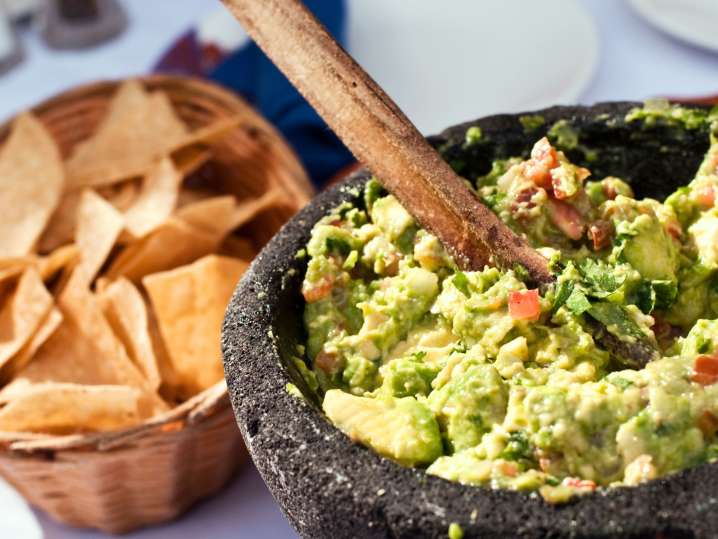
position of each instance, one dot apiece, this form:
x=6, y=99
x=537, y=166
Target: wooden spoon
x=379, y=134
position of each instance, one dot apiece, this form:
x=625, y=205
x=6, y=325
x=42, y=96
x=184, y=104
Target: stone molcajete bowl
x=329, y=487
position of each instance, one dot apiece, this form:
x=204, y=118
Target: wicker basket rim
x=200, y=406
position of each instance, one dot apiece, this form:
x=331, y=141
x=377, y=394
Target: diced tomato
x=674, y=229
x=326, y=361
x=524, y=305
x=706, y=196
x=599, y=232
x=708, y=423
x=523, y=200
x=705, y=370
x=566, y=218
x=510, y=469
x=318, y=291
x=609, y=190
x=337, y=222
x=543, y=159
x=661, y=328
x=579, y=483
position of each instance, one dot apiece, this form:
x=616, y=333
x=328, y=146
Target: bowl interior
x=655, y=160
x=264, y=328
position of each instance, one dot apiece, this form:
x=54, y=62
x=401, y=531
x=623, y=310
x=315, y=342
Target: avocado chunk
x=391, y=217
x=408, y=376
x=701, y=339
x=649, y=249
x=469, y=404
x=402, y=429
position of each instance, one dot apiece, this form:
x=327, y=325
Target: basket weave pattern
x=120, y=481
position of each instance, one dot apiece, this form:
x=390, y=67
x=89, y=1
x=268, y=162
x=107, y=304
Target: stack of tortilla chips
x=115, y=270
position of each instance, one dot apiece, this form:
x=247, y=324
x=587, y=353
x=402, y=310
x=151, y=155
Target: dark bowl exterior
x=330, y=487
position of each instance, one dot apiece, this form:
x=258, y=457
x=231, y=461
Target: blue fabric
x=249, y=72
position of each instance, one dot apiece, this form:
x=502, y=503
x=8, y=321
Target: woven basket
x=120, y=481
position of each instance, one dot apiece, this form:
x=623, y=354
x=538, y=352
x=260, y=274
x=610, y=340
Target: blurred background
x=443, y=62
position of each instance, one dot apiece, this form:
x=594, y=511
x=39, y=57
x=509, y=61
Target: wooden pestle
x=379, y=134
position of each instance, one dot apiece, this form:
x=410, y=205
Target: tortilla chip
x=61, y=228
x=31, y=181
x=221, y=215
x=172, y=244
x=190, y=195
x=249, y=209
x=156, y=201
x=67, y=408
x=22, y=313
x=187, y=160
x=208, y=134
x=190, y=303
x=213, y=214
x=237, y=247
x=18, y=362
x=139, y=128
x=98, y=226
x=83, y=350
x=122, y=194
x=61, y=258
x=125, y=310
x=168, y=387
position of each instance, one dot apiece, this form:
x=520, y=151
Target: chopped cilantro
x=518, y=447
x=461, y=282
x=601, y=281
x=563, y=292
x=615, y=318
x=338, y=245
x=577, y=302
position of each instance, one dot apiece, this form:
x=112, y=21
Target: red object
x=579, y=483
x=322, y=289
x=543, y=159
x=522, y=200
x=705, y=370
x=706, y=196
x=524, y=305
x=600, y=234
x=326, y=361
x=674, y=229
x=609, y=191
x=708, y=423
x=566, y=218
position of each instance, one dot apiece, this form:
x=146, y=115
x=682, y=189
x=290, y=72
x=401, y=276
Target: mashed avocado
x=481, y=378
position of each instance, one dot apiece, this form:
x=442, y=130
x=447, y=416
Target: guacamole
x=480, y=377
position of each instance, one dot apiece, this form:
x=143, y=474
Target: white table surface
x=636, y=61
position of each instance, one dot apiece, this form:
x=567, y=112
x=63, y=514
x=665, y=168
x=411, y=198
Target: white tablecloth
x=636, y=62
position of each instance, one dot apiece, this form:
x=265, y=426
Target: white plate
x=447, y=62
x=17, y=520
x=692, y=21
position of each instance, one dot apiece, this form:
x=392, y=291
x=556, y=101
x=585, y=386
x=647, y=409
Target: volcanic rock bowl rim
x=344, y=471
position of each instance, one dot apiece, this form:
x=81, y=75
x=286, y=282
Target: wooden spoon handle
x=379, y=134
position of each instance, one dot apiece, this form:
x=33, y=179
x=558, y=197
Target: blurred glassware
x=692, y=21
x=20, y=9
x=79, y=24
x=10, y=49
